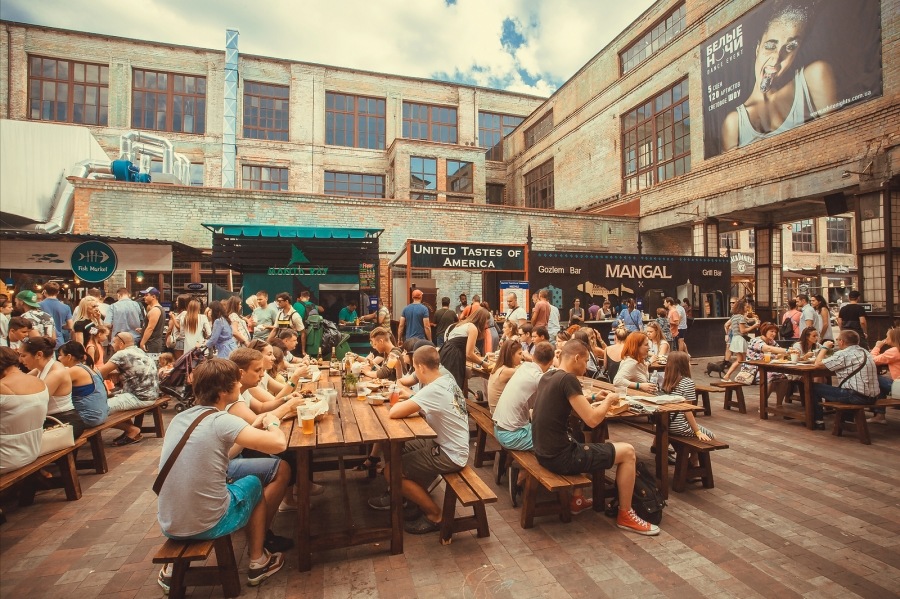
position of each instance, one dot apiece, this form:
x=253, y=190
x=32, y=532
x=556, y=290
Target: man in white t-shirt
x=807, y=313
x=512, y=416
x=553, y=323
x=516, y=313
x=444, y=407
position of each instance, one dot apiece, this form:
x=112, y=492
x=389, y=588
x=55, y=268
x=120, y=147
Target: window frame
x=733, y=236
x=540, y=176
x=350, y=183
x=454, y=179
x=837, y=246
x=355, y=118
x=101, y=109
x=803, y=236
x=429, y=122
x=487, y=194
x=260, y=184
x=495, y=151
x=651, y=37
x=429, y=197
x=170, y=94
x=539, y=130
x=274, y=133
x=641, y=118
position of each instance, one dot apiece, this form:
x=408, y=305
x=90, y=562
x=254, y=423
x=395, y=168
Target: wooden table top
x=682, y=406
x=786, y=366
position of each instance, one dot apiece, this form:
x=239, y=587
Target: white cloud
x=424, y=38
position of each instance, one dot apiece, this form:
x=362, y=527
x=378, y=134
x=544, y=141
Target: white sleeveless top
x=57, y=403
x=21, y=428
x=800, y=110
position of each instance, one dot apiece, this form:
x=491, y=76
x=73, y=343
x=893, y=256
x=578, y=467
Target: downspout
x=8, y=72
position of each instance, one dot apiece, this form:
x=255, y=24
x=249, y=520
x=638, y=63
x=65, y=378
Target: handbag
x=59, y=436
x=164, y=471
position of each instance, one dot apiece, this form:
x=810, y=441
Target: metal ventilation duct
x=229, y=131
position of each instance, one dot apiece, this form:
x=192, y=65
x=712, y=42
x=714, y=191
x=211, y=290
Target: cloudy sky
x=529, y=46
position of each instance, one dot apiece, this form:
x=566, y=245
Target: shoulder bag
x=164, y=471
x=59, y=436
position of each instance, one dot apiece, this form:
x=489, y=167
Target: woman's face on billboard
x=776, y=52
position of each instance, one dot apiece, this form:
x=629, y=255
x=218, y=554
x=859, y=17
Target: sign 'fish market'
x=94, y=261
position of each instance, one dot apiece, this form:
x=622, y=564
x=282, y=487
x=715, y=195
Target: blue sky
x=529, y=46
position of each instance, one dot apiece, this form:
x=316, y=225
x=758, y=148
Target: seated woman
x=509, y=359
x=272, y=388
x=887, y=353
x=279, y=366
x=460, y=345
x=633, y=372
x=659, y=346
x=510, y=331
x=613, y=357
x=36, y=354
x=760, y=345
x=88, y=391
x=595, y=355
x=678, y=381
x=807, y=346
x=23, y=408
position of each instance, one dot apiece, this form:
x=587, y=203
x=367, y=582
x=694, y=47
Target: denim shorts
x=519, y=440
x=263, y=468
x=243, y=495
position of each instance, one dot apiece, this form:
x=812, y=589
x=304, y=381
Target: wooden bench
x=485, y=428
x=734, y=395
x=468, y=489
x=68, y=479
x=181, y=553
x=703, y=392
x=95, y=434
x=561, y=485
x=684, y=448
x=858, y=411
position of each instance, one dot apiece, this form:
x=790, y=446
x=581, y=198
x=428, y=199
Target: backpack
x=786, y=330
x=331, y=336
x=309, y=309
x=646, y=500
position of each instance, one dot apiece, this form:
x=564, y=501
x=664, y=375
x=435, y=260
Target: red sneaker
x=580, y=503
x=631, y=521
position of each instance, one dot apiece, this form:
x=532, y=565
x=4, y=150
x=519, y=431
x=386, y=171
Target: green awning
x=289, y=232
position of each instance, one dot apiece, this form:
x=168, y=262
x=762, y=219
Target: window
x=266, y=178
x=492, y=128
x=729, y=240
x=459, y=176
x=168, y=102
x=656, y=143
x=539, y=130
x=266, y=111
x=654, y=40
x=837, y=232
x=422, y=175
x=751, y=243
x=68, y=91
x=539, y=186
x=434, y=123
x=354, y=121
x=804, y=236
x=197, y=171
x=494, y=193
x=354, y=185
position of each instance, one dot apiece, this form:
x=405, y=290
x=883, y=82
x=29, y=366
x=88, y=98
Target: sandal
x=370, y=465
x=421, y=526
x=126, y=440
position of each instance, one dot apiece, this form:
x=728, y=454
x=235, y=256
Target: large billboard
x=785, y=63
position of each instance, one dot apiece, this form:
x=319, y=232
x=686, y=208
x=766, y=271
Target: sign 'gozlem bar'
x=476, y=256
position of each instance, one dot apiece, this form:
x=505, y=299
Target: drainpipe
x=229, y=130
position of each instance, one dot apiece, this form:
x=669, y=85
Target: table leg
x=763, y=395
x=304, y=485
x=662, y=453
x=396, y=498
x=808, y=399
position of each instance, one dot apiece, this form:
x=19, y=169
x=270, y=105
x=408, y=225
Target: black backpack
x=646, y=500
x=786, y=330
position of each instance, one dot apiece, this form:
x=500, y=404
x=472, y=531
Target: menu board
x=367, y=276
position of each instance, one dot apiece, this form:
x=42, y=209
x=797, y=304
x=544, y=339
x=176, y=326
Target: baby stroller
x=178, y=383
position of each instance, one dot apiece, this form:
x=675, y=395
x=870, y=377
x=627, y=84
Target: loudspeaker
x=835, y=203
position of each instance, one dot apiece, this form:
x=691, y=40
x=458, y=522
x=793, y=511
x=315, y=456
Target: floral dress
x=755, y=352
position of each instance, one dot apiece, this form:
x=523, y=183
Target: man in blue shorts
x=200, y=499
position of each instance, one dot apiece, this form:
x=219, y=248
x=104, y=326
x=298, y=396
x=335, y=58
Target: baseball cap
x=29, y=298
x=416, y=293
x=149, y=290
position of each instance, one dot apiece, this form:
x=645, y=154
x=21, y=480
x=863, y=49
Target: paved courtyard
x=793, y=514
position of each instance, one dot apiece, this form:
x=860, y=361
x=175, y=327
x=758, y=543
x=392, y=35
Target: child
x=166, y=363
x=678, y=381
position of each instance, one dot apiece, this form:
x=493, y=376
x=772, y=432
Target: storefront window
x=838, y=235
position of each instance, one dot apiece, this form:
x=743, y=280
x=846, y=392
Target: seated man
x=558, y=394
x=380, y=339
x=512, y=416
x=140, y=383
x=856, y=372
x=19, y=329
x=196, y=501
x=444, y=407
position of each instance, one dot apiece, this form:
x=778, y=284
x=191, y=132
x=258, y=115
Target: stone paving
x=794, y=514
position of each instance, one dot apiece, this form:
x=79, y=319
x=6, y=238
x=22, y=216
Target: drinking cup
x=767, y=358
x=794, y=357
x=395, y=394
x=621, y=390
x=308, y=422
x=392, y=360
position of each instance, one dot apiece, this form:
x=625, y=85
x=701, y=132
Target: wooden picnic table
x=659, y=418
x=355, y=423
x=806, y=371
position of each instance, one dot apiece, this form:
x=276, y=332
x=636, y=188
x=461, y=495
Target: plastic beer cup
x=308, y=422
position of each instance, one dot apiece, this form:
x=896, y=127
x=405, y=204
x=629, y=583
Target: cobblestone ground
x=794, y=513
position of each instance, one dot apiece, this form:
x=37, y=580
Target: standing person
x=576, y=311
x=6, y=308
x=558, y=394
x=553, y=326
x=516, y=312
x=414, y=321
x=221, y=338
x=606, y=312
x=462, y=305
x=36, y=354
x=42, y=323
x=61, y=312
x=125, y=315
x=194, y=325
x=382, y=316
x=23, y=408
x=348, y=314
x=682, y=326
x=852, y=316
x=288, y=318
x=95, y=293
x=235, y=317
x=738, y=326
x=674, y=318
x=631, y=317
x=264, y=316
x=856, y=372
x=688, y=309
x=175, y=336
x=443, y=320
x=152, y=340
x=88, y=312
x=460, y=345
x=793, y=315
x=196, y=501
x=823, y=317
x=594, y=311
x=140, y=383
x=441, y=401
x=807, y=312
x=540, y=313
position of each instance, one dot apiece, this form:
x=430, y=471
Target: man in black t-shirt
x=853, y=316
x=443, y=318
x=558, y=394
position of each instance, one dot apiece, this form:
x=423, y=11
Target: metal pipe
x=61, y=217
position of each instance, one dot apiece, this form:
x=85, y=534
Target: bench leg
x=480, y=442
x=838, y=429
x=481, y=519
x=704, y=397
x=565, y=500
x=69, y=476
x=682, y=460
x=529, y=502
x=177, y=587
x=228, y=568
x=448, y=515
x=862, y=428
x=706, y=466
x=98, y=454
x=727, y=404
x=742, y=407
x=159, y=426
